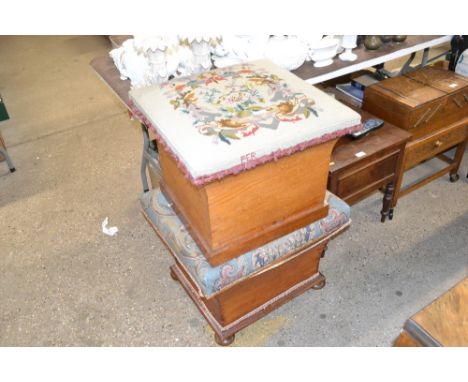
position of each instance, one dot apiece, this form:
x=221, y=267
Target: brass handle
x=437, y=144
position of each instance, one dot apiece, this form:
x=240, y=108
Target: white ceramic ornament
x=287, y=51
x=239, y=48
x=324, y=51
x=131, y=64
x=310, y=41
x=348, y=42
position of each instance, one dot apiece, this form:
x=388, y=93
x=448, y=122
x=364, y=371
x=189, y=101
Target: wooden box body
x=244, y=211
x=251, y=294
x=421, y=102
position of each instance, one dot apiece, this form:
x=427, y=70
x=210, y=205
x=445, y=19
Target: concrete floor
x=64, y=283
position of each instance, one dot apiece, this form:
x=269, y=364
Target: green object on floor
x=3, y=111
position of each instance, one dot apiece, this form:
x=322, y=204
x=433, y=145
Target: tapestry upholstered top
x=231, y=119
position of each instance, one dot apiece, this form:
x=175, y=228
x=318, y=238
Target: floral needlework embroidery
x=233, y=103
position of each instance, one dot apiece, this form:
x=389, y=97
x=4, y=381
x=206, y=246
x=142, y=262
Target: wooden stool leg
x=173, y=275
x=457, y=160
x=224, y=341
x=387, y=202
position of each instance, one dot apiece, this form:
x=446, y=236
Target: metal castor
x=454, y=177
x=320, y=285
x=173, y=275
x=390, y=214
x=224, y=341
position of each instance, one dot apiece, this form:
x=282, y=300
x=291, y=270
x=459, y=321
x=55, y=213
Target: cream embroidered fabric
x=226, y=120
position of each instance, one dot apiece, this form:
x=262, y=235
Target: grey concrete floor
x=64, y=283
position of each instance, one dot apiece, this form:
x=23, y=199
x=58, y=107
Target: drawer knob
x=437, y=143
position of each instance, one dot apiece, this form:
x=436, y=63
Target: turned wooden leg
x=321, y=284
x=173, y=275
x=457, y=160
x=387, y=202
x=454, y=177
x=224, y=341
x=322, y=255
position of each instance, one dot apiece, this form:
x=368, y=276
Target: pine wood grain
x=241, y=212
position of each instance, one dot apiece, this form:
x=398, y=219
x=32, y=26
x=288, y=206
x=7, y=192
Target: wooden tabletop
x=118, y=40
x=105, y=68
x=444, y=322
x=367, y=58
x=107, y=71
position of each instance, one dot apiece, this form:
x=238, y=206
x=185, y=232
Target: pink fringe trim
x=274, y=156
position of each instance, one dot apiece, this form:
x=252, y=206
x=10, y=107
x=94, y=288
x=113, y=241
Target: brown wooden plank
x=190, y=202
x=413, y=187
x=118, y=40
x=445, y=320
x=405, y=340
x=270, y=193
x=105, y=68
x=243, y=297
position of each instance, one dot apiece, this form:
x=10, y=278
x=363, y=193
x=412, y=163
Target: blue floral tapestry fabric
x=213, y=279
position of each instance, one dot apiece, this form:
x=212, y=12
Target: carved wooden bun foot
x=224, y=341
x=454, y=177
x=321, y=284
x=173, y=275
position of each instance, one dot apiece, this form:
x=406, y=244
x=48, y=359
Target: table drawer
x=351, y=185
x=426, y=148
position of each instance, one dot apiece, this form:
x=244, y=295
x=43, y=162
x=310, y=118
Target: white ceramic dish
x=324, y=51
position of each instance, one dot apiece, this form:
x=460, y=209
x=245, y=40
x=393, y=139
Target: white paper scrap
x=111, y=231
x=360, y=154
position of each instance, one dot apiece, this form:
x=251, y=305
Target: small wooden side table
x=444, y=322
x=360, y=167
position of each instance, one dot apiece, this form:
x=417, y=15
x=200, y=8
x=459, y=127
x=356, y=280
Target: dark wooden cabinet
x=361, y=167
